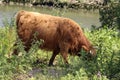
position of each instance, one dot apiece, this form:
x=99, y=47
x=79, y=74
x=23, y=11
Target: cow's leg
x=55, y=52
x=15, y=51
x=64, y=52
x=65, y=55
x=27, y=46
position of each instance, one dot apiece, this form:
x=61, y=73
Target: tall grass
x=33, y=65
x=6, y=41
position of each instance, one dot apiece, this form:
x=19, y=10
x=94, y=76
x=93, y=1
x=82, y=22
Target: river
x=84, y=18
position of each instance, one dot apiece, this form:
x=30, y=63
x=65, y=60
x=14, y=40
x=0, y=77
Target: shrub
x=110, y=15
x=108, y=54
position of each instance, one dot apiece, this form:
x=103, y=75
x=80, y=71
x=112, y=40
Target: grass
x=34, y=64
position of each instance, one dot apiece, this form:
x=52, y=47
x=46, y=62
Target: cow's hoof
x=50, y=65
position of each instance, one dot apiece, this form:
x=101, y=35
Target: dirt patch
x=41, y=73
x=50, y=71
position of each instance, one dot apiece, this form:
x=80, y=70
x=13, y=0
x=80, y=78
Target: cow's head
x=91, y=51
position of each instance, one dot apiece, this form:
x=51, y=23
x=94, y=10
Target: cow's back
x=30, y=24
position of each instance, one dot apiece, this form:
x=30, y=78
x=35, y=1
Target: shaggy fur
x=60, y=35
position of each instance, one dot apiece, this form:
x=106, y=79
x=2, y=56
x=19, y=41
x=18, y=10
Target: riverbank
x=59, y=4
x=74, y=4
x=68, y=5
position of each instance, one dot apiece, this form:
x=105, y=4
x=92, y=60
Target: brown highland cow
x=60, y=35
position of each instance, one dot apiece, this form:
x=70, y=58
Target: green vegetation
x=34, y=64
x=110, y=15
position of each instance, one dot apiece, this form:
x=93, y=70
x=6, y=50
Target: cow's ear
x=85, y=48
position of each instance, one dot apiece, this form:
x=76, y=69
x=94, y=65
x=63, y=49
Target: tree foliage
x=110, y=15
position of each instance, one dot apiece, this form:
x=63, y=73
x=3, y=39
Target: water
x=82, y=17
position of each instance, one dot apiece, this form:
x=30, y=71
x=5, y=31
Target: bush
x=110, y=15
x=107, y=61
